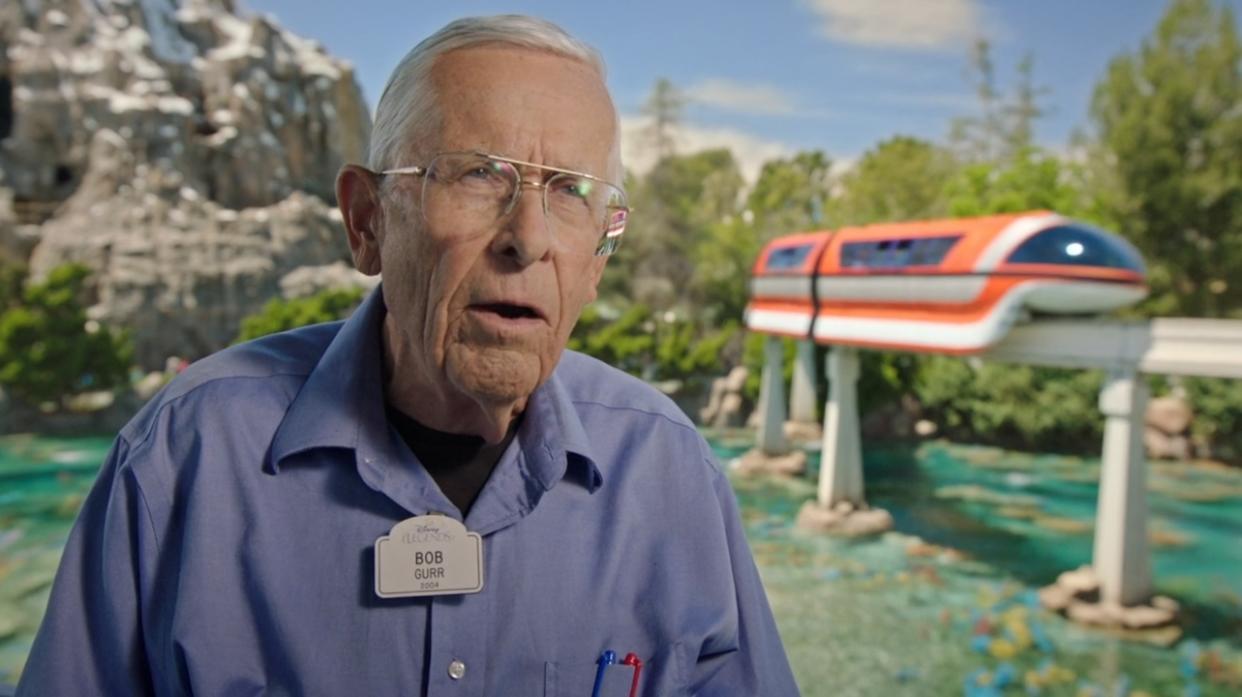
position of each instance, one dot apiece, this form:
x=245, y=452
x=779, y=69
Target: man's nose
x=526, y=234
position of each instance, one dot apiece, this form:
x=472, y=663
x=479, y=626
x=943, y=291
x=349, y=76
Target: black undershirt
x=459, y=464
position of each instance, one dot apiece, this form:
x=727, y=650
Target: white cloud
x=750, y=98
x=908, y=24
x=959, y=102
x=750, y=151
x=741, y=97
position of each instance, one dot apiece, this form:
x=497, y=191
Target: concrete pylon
x=1122, y=559
x=771, y=437
x=802, y=389
x=840, y=470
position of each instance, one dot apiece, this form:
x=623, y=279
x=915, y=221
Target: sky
x=768, y=78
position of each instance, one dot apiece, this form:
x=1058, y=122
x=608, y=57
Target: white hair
x=407, y=106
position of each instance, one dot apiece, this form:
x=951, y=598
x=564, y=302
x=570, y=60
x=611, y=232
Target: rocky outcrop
x=1167, y=431
x=724, y=402
x=755, y=461
x=186, y=154
x=309, y=280
x=1076, y=594
x=246, y=112
x=844, y=519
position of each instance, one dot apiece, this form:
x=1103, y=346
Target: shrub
x=651, y=347
x=48, y=348
x=282, y=315
x=1048, y=409
x=1217, y=406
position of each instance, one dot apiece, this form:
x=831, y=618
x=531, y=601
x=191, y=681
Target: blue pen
x=607, y=658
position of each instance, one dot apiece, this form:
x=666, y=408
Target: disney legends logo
x=426, y=532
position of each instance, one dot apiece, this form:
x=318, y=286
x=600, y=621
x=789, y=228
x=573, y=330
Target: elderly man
x=429, y=498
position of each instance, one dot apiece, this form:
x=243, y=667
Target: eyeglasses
x=475, y=189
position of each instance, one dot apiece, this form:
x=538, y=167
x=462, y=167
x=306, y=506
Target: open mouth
x=509, y=310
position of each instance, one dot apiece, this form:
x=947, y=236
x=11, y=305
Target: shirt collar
x=553, y=437
x=341, y=405
x=344, y=392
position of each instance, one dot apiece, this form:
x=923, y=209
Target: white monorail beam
x=1166, y=346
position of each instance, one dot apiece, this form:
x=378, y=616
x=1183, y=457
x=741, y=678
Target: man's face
x=487, y=311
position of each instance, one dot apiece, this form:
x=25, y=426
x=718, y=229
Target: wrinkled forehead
x=526, y=104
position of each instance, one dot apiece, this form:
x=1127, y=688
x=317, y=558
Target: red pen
x=632, y=660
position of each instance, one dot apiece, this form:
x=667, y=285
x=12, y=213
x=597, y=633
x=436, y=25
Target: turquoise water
x=42, y=484
x=947, y=603
x=943, y=605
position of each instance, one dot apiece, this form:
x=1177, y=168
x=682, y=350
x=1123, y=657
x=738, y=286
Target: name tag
x=428, y=555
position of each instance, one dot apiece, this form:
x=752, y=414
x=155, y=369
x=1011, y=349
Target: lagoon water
x=945, y=605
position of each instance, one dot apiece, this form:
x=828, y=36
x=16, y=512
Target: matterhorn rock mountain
x=183, y=152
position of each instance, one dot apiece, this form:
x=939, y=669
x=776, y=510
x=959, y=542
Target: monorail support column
x=1115, y=591
x=802, y=390
x=1121, y=559
x=771, y=438
x=840, y=469
x=840, y=508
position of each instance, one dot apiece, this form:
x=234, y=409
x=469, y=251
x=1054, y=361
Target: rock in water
x=844, y=521
x=186, y=154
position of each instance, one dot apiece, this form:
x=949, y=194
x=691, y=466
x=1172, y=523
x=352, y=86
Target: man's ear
x=358, y=196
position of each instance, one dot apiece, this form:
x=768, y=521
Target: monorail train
x=950, y=286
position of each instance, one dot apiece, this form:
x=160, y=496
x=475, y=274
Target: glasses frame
x=609, y=240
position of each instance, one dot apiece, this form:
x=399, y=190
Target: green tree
x=282, y=315
x=1168, y=121
x=1004, y=124
x=790, y=195
x=653, y=347
x=1012, y=405
x=12, y=280
x=1217, y=407
x=664, y=107
x=626, y=342
x=692, y=190
x=676, y=204
x=723, y=260
x=901, y=178
x=1032, y=179
x=48, y=348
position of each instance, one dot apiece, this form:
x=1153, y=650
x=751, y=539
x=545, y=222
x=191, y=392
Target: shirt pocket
x=661, y=676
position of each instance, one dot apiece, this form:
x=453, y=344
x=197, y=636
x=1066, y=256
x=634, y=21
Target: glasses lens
x=472, y=188
x=589, y=210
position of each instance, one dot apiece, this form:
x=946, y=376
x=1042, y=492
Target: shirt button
x=456, y=670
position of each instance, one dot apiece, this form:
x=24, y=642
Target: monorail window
x=1080, y=246
x=897, y=253
x=788, y=257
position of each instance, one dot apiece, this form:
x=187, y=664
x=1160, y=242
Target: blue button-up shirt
x=227, y=546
